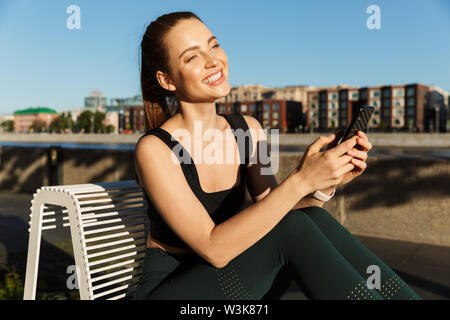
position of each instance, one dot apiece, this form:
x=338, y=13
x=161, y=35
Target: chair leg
x=34, y=244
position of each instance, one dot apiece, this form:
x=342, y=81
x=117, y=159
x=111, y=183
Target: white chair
x=108, y=226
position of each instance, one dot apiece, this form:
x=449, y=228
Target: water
x=70, y=145
x=382, y=152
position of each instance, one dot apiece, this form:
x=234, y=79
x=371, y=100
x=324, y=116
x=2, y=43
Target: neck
x=189, y=113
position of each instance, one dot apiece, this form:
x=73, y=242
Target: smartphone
x=359, y=123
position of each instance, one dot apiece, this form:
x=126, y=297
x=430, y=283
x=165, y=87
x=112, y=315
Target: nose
x=211, y=60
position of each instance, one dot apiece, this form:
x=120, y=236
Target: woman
x=202, y=245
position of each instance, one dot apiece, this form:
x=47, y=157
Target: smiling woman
x=202, y=244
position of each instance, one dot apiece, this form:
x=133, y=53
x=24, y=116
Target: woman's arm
x=261, y=185
x=164, y=182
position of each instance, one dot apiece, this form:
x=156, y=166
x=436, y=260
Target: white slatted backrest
x=113, y=224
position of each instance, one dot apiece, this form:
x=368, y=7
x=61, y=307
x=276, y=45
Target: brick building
x=284, y=115
x=23, y=119
x=411, y=107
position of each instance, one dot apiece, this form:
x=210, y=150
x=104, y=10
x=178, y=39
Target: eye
x=216, y=46
x=191, y=58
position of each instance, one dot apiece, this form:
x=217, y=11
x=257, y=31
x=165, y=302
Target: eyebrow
x=196, y=47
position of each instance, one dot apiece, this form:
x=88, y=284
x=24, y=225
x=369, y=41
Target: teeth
x=213, y=78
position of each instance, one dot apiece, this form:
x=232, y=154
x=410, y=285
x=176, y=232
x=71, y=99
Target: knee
x=315, y=212
x=294, y=223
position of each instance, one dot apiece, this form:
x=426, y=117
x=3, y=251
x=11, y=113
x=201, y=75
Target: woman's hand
x=359, y=154
x=324, y=170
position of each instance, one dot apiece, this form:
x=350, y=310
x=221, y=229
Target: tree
x=99, y=117
x=71, y=124
x=8, y=125
x=38, y=126
x=85, y=121
x=110, y=129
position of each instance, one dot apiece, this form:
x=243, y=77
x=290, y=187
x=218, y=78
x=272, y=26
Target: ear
x=165, y=81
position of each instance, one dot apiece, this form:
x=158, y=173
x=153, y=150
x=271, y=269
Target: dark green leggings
x=307, y=245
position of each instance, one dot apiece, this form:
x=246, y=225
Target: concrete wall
x=394, y=198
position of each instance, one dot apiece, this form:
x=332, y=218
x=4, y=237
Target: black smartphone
x=359, y=122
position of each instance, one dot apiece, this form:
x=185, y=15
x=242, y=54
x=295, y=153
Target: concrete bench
x=108, y=226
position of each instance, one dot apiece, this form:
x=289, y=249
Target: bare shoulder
x=252, y=123
x=152, y=154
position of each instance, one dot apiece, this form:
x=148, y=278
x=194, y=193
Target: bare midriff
x=152, y=243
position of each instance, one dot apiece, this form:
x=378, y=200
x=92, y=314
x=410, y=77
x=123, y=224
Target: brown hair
x=154, y=55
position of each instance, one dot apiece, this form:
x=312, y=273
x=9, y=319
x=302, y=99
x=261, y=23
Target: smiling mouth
x=214, y=78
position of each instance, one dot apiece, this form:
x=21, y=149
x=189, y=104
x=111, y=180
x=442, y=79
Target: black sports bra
x=220, y=205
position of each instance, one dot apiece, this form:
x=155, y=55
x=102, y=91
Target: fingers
x=320, y=142
x=343, y=147
x=363, y=141
x=361, y=155
x=342, y=160
x=359, y=163
x=346, y=168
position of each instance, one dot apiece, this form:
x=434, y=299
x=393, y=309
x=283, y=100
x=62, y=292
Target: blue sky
x=273, y=43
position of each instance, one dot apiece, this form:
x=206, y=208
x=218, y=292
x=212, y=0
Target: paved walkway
x=426, y=268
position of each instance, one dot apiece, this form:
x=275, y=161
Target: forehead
x=185, y=34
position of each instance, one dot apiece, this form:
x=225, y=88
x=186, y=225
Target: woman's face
x=192, y=68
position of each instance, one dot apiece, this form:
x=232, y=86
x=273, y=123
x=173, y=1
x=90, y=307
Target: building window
x=332, y=96
x=344, y=95
x=313, y=106
x=266, y=115
x=231, y=109
x=374, y=121
x=386, y=113
x=354, y=94
x=255, y=96
x=275, y=106
x=344, y=105
x=332, y=105
x=243, y=108
x=398, y=103
x=397, y=121
x=410, y=92
x=275, y=115
x=252, y=107
x=376, y=112
x=399, y=92
x=411, y=102
x=275, y=123
x=374, y=103
x=265, y=123
x=375, y=94
x=223, y=109
x=399, y=112
x=266, y=107
x=363, y=94
x=387, y=102
x=314, y=123
x=409, y=111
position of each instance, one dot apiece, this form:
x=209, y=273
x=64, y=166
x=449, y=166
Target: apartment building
x=329, y=107
x=284, y=115
x=258, y=92
x=414, y=107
